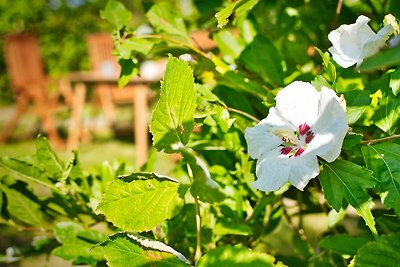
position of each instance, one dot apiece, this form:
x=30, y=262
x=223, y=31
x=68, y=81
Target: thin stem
x=338, y=9
x=300, y=231
x=261, y=202
x=198, y=253
x=245, y=114
x=379, y=140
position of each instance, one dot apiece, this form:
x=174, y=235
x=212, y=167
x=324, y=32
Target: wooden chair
x=29, y=83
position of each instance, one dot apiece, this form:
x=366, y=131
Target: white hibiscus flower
x=304, y=124
x=352, y=43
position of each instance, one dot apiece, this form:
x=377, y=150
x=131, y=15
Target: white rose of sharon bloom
x=355, y=42
x=304, y=124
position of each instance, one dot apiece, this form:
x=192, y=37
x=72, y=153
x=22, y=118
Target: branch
x=379, y=140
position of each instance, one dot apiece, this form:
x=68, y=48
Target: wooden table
x=77, y=82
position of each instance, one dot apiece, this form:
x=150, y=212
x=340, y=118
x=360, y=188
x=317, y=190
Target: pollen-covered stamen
x=299, y=152
x=310, y=137
x=304, y=128
x=286, y=150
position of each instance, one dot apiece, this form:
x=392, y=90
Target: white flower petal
x=272, y=172
x=354, y=42
x=302, y=170
x=341, y=58
x=375, y=43
x=261, y=138
x=330, y=128
x=298, y=103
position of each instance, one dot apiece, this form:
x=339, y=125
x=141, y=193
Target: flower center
x=295, y=143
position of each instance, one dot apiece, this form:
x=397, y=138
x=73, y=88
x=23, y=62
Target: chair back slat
x=100, y=46
x=23, y=60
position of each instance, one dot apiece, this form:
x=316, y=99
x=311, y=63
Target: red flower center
x=295, y=149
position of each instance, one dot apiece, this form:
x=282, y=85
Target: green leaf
x=172, y=121
x=164, y=19
x=203, y=186
x=137, y=45
x=384, y=252
x=229, y=228
x=22, y=208
x=343, y=244
x=329, y=67
x=242, y=9
x=26, y=170
x=227, y=256
x=240, y=82
x=266, y=64
x=395, y=81
x=129, y=68
x=230, y=46
x=223, y=15
x=352, y=139
x=356, y=103
x=222, y=118
x=388, y=114
x=140, y=201
x=345, y=180
x=77, y=243
x=48, y=160
x=116, y=13
x=384, y=160
x=131, y=251
x=384, y=59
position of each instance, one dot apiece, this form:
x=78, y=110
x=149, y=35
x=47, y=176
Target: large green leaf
x=395, y=81
x=343, y=244
x=26, y=170
x=164, y=19
x=22, y=208
x=345, y=180
x=140, y=201
x=356, y=103
x=387, y=58
x=384, y=252
x=268, y=64
x=384, y=160
x=172, y=120
x=131, y=251
x=48, y=160
x=116, y=13
x=388, y=114
x=236, y=257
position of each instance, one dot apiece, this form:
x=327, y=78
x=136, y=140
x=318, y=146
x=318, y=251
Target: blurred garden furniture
x=30, y=85
x=103, y=78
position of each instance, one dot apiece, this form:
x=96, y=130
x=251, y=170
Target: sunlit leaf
x=172, y=120
x=129, y=68
x=235, y=257
x=164, y=19
x=22, y=208
x=78, y=243
x=356, y=103
x=384, y=160
x=384, y=252
x=345, y=181
x=140, y=201
x=25, y=170
x=388, y=114
x=116, y=13
x=131, y=251
x=48, y=160
x=240, y=7
x=395, y=81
